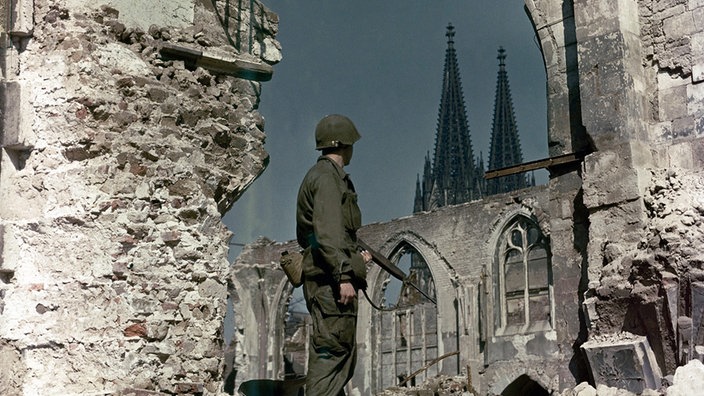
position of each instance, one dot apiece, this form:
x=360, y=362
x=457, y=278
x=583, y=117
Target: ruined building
x=595, y=278
x=128, y=130
x=454, y=176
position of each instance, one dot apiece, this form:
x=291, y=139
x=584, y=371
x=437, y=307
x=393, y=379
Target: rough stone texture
x=687, y=378
x=625, y=362
x=646, y=288
x=117, y=166
x=626, y=225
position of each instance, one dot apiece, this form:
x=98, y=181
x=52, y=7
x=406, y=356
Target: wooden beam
x=533, y=165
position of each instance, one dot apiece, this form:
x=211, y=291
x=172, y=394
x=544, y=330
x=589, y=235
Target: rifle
x=391, y=268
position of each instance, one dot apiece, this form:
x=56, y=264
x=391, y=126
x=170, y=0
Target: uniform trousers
x=332, y=354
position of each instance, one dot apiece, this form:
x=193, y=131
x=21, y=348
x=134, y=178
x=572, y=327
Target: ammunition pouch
x=292, y=264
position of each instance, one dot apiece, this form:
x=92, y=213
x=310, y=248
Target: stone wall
x=128, y=131
x=645, y=179
x=458, y=243
x=626, y=100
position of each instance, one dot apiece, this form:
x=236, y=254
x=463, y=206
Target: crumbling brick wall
x=117, y=164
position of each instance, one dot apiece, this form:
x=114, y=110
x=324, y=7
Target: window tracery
x=525, y=279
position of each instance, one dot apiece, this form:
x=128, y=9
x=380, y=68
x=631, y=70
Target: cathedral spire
x=453, y=177
x=505, y=146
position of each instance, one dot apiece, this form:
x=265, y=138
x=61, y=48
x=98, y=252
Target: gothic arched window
x=406, y=330
x=525, y=279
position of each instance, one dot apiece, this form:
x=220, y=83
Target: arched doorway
x=524, y=385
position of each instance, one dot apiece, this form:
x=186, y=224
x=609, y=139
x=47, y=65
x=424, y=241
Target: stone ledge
x=216, y=64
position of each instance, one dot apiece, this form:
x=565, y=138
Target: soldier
x=327, y=218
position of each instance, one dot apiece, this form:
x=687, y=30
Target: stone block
x=672, y=289
x=681, y=156
x=698, y=14
x=678, y=26
x=595, y=18
x=697, y=43
x=623, y=361
x=667, y=80
x=695, y=98
x=697, y=312
x=609, y=178
x=672, y=103
x=22, y=18
x=698, y=73
x=666, y=9
x=684, y=342
x=687, y=378
x=9, y=107
x=683, y=127
x=698, y=147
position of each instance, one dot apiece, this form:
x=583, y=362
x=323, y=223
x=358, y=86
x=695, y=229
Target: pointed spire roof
x=453, y=177
x=453, y=159
x=505, y=146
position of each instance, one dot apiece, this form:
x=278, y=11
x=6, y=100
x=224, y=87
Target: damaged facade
x=597, y=277
x=128, y=130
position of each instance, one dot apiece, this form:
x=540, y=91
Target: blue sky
x=381, y=64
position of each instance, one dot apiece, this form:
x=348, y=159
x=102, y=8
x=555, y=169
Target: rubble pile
x=438, y=386
x=651, y=289
x=114, y=257
x=686, y=379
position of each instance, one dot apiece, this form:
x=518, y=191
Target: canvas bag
x=292, y=264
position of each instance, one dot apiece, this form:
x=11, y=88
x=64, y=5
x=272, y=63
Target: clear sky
x=380, y=62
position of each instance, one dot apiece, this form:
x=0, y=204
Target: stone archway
x=524, y=385
x=554, y=26
x=442, y=318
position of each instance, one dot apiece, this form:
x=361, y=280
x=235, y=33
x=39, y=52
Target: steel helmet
x=334, y=131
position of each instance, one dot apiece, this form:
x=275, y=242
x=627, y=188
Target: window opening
x=406, y=333
x=525, y=278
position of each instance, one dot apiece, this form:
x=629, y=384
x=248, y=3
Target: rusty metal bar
x=533, y=165
x=427, y=366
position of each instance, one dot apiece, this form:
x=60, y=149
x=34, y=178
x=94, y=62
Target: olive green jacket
x=327, y=218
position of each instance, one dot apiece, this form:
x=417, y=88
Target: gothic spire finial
x=450, y=34
x=502, y=56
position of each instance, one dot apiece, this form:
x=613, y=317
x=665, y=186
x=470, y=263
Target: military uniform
x=327, y=218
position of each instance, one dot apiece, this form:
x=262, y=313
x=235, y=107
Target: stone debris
x=658, y=278
x=117, y=166
x=688, y=380
x=118, y=163
x=438, y=386
x=624, y=361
